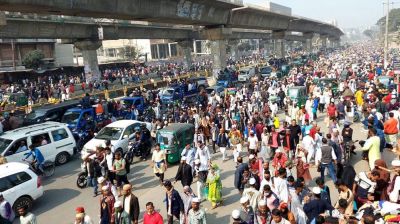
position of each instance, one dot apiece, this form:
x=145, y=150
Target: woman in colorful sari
x=214, y=186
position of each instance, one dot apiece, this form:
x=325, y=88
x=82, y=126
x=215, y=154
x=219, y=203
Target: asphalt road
x=61, y=195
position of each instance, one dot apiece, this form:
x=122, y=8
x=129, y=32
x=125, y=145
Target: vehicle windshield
x=243, y=72
x=209, y=91
x=70, y=117
x=167, y=92
x=35, y=114
x=109, y=133
x=293, y=93
x=4, y=143
x=384, y=80
x=165, y=139
x=266, y=70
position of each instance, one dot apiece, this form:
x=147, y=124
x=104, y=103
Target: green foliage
x=394, y=21
x=33, y=59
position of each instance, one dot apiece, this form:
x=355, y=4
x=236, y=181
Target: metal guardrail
x=117, y=92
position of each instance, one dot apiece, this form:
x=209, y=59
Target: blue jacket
x=177, y=203
x=36, y=155
x=316, y=207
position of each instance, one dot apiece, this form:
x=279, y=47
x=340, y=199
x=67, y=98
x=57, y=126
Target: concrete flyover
x=193, y=12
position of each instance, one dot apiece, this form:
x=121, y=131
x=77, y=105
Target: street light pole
x=386, y=47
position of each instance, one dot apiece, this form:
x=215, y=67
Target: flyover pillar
x=187, y=46
x=307, y=43
x=280, y=48
x=233, y=45
x=90, y=61
x=323, y=41
x=218, y=51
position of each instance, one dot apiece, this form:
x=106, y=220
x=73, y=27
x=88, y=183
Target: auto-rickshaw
x=174, y=138
x=329, y=82
x=298, y=94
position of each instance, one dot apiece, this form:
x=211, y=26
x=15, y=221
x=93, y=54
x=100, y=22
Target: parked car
x=54, y=140
x=118, y=132
x=265, y=71
x=219, y=90
x=49, y=112
x=20, y=186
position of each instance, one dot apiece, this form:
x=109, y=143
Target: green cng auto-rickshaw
x=174, y=138
x=298, y=94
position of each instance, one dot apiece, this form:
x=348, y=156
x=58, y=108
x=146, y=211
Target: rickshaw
x=174, y=138
x=298, y=94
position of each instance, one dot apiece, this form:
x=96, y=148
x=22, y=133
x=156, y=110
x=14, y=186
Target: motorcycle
x=137, y=149
x=82, y=138
x=349, y=148
x=48, y=168
x=81, y=181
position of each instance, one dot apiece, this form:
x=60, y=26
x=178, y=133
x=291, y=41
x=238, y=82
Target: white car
x=118, y=133
x=246, y=74
x=19, y=185
x=54, y=140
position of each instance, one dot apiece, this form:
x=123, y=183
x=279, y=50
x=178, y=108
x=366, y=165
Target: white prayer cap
x=244, y=199
x=252, y=181
x=251, y=156
x=396, y=162
x=104, y=188
x=100, y=180
x=262, y=203
x=197, y=161
x=235, y=214
x=316, y=190
x=117, y=204
x=196, y=200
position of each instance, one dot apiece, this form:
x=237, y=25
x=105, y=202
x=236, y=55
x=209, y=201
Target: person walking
x=372, y=145
x=26, y=217
x=184, y=173
x=81, y=217
x=222, y=142
x=391, y=129
x=130, y=203
x=159, y=162
x=203, y=161
x=174, y=202
x=197, y=215
x=120, y=215
x=6, y=211
x=107, y=201
x=325, y=158
x=214, y=186
x=151, y=216
x=187, y=197
x=119, y=169
x=93, y=170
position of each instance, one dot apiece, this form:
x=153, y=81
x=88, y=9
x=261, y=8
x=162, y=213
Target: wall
x=64, y=54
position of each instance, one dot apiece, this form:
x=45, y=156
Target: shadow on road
x=53, y=198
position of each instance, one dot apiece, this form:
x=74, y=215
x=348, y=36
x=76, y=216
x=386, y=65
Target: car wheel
x=23, y=201
x=62, y=158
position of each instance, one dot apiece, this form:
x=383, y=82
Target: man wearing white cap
x=197, y=215
x=252, y=193
x=309, y=144
x=184, y=173
x=262, y=214
x=106, y=206
x=253, y=141
x=236, y=217
x=394, y=187
x=313, y=208
x=120, y=216
x=247, y=210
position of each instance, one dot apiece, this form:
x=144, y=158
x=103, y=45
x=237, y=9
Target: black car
x=49, y=112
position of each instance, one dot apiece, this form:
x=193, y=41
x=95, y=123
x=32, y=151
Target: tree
x=33, y=59
x=394, y=20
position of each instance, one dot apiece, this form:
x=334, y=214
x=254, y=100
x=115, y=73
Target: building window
x=154, y=51
x=198, y=47
x=111, y=52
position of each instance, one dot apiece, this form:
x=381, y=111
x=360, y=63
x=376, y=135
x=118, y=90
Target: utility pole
x=386, y=47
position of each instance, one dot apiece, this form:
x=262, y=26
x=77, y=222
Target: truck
x=79, y=119
x=177, y=93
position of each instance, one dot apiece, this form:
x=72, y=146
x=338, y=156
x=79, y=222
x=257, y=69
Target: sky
x=348, y=13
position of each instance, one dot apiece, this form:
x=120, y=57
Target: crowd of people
x=276, y=143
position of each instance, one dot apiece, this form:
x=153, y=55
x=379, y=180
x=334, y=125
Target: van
x=19, y=185
x=246, y=74
x=49, y=112
x=55, y=141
